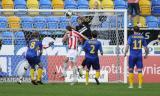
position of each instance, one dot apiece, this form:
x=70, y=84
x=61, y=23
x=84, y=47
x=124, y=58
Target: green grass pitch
x=13, y=89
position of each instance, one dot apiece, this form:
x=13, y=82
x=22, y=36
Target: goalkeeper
x=83, y=28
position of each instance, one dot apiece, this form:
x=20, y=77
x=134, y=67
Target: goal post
x=111, y=25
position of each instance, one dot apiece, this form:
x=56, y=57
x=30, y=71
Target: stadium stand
x=92, y=4
x=52, y=22
x=8, y=4
x=82, y=4
x=145, y=7
x=152, y=22
x=45, y=4
x=27, y=22
x=14, y=22
x=7, y=38
x=107, y=4
x=3, y=22
x=33, y=4
x=19, y=38
x=39, y=22
x=120, y=4
x=70, y=4
x=63, y=22
x=155, y=7
x=20, y=4
x=58, y=4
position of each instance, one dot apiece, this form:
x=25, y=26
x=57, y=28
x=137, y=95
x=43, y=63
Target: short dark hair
x=35, y=35
x=94, y=34
x=69, y=28
x=136, y=29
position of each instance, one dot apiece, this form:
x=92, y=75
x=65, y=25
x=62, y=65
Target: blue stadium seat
x=40, y=22
x=52, y=22
x=83, y=4
x=45, y=4
x=20, y=4
x=63, y=22
x=152, y=22
x=74, y=20
x=70, y=4
x=27, y=22
x=3, y=22
x=120, y=4
x=155, y=7
x=7, y=38
x=20, y=38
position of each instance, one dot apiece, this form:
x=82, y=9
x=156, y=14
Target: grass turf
x=13, y=89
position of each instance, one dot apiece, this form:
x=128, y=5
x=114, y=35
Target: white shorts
x=72, y=54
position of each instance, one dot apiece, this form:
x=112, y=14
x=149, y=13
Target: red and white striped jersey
x=74, y=37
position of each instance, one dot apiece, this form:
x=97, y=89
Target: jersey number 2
x=137, y=44
x=92, y=49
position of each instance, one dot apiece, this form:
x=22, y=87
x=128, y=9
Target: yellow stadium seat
x=108, y=4
x=33, y=4
x=145, y=7
x=58, y=4
x=142, y=21
x=14, y=22
x=8, y=4
x=92, y=4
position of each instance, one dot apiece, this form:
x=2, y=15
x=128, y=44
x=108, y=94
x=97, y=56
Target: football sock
x=87, y=77
x=32, y=74
x=21, y=73
x=74, y=73
x=40, y=71
x=64, y=68
x=97, y=74
x=131, y=77
x=140, y=79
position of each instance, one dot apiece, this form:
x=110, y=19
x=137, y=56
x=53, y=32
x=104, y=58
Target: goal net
x=16, y=32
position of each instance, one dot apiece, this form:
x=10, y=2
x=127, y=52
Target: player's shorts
x=72, y=54
x=133, y=7
x=135, y=61
x=33, y=61
x=92, y=62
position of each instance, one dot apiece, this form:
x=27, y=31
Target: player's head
x=94, y=34
x=35, y=35
x=69, y=28
x=136, y=29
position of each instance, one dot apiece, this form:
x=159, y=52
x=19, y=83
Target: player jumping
x=91, y=48
x=73, y=38
x=135, y=42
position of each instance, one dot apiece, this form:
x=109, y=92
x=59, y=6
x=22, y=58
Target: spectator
x=133, y=6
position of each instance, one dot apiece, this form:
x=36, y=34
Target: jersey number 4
x=137, y=44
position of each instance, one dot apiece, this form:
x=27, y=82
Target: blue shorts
x=92, y=62
x=135, y=61
x=33, y=61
